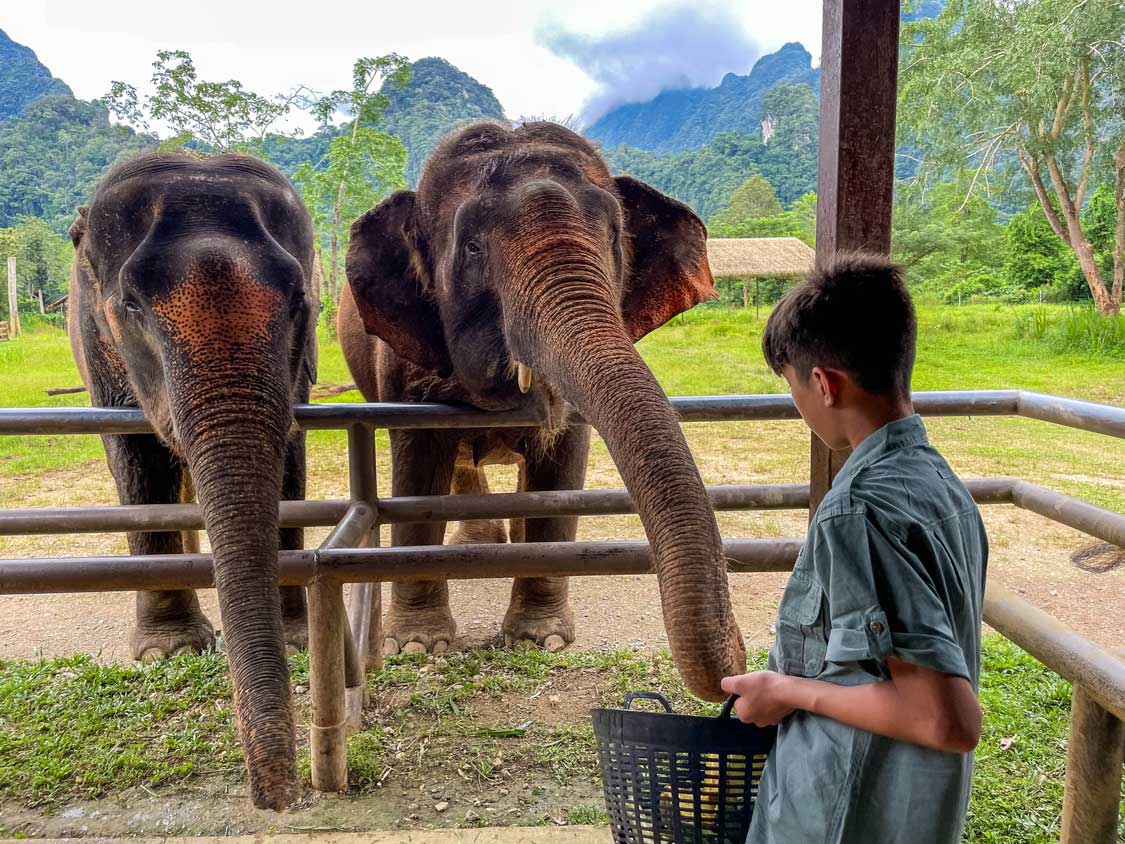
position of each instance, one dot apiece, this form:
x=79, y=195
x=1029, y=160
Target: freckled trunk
x=233, y=422
x=565, y=316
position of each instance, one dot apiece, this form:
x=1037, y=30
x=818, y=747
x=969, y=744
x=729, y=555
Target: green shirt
x=894, y=565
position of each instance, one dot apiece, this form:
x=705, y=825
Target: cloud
x=678, y=46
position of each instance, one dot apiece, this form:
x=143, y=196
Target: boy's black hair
x=854, y=314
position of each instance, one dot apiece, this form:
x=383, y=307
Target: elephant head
x=197, y=271
x=522, y=273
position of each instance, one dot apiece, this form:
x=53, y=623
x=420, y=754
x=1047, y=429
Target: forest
x=999, y=198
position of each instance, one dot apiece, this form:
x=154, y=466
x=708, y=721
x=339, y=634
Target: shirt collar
x=901, y=433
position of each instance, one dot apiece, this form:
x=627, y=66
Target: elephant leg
x=539, y=612
x=294, y=608
x=168, y=621
x=469, y=480
x=419, y=619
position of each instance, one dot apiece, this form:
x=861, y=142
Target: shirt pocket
x=801, y=636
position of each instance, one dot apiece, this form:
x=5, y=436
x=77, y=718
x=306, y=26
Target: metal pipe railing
x=39, y=575
x=1089, y=416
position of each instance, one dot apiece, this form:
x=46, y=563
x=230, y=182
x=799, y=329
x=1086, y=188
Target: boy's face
x=817, y=400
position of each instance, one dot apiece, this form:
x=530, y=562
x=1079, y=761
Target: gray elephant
x=520, y=274
x=189, y=300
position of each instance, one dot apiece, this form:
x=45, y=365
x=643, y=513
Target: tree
x=943, y=237
x=752, y=199
x=799, y=221
x=1037, y=259
x=794, y=113
x=1042, y=79
x=364, y=164
x=221, y=116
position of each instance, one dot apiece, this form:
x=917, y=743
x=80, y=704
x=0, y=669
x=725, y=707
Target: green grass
x=170, y=724
x=709, y=351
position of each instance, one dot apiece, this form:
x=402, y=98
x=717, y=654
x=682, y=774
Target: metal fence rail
x=339, y=639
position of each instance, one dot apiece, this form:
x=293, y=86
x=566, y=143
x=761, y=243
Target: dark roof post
x=855, y=179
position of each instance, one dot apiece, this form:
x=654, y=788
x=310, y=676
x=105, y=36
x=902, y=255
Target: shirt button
x=875, y=627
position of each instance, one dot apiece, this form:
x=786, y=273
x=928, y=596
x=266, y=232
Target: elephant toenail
x=183, y=649
x=390, y=647
x=291, y=650
x=525, y=644
x=554, y=642
x=151, y=655
x=414, y=648
x=440, y=647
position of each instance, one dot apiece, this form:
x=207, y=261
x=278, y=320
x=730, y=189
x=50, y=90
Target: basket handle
x=728, y=707
x=629, y=698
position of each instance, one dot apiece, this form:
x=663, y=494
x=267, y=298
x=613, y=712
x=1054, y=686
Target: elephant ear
x=77, y=229
x=668, y=271
x=390, y=284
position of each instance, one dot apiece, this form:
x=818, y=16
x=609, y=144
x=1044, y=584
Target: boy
x=874, y=670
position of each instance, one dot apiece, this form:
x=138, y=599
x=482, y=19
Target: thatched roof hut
x=761, y=257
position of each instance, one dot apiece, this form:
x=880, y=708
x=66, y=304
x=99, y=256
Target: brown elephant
x=188, y=300
x=520, y=274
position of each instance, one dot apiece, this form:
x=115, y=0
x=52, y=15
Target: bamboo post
x=13, y=302
x=327, y=732
x=1095, y=758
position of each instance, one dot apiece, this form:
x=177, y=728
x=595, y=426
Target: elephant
x=190, y=298
x=520, y=274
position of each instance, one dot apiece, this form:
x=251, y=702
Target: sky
x=542, y=58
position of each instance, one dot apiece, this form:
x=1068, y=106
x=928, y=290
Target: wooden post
x=328, y=730
x=745, y=295
x=1095, y=757
x=42, y=310
x=13, y=302
x=855, y=178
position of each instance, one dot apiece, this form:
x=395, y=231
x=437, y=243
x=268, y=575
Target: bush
x=1080, y=330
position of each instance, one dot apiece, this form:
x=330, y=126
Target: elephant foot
x=155, y=640
x=296, y=631
x=551, y=629
x=478, y=532
x=418, y=631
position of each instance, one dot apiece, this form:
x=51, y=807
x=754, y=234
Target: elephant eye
x=131, y=307
x=472, y=248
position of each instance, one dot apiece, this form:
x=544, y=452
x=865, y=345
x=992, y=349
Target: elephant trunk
x=232, y=414
x=565, y=319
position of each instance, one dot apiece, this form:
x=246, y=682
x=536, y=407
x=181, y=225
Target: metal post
x=1095, y=758
x=855, y=178
x=366, y=610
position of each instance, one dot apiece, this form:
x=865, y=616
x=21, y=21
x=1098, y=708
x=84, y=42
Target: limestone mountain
x=23, y=78
x=438, y=98
x=679, y=120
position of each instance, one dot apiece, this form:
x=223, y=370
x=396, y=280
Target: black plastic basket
x=682, y=779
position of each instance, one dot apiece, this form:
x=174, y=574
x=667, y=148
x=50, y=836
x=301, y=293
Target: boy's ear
x=827, y=384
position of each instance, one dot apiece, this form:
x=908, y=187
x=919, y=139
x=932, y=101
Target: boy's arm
x=917, y=705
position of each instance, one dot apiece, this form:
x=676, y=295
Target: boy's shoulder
x=904, y=488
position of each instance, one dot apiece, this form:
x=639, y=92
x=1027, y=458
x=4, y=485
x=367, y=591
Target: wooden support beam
x=328, y=727
x=1095, y=758
x=13, y=300
x=855, y=178
x=365, y=612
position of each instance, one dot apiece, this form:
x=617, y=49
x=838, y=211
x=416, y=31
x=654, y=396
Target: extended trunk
x=234, y=430
x=566, y=319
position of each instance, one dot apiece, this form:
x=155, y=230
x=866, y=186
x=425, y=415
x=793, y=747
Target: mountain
x=23, y=78
x=53, y=155
x=678, y=120
x=438, y=98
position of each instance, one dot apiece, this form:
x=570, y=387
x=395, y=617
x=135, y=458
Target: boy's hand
x=762, y=697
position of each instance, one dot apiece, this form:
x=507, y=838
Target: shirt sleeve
x=882, y=600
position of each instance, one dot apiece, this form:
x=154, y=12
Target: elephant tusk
x=523, y=373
